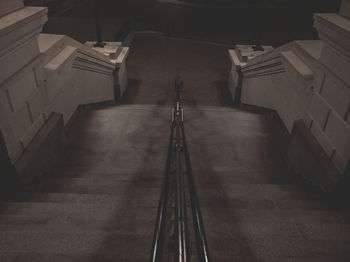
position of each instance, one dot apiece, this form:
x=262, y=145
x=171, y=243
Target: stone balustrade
x=308, y=80
x=41, y=74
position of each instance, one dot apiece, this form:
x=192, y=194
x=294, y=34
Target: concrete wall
x=307, y=80
x=41, y=74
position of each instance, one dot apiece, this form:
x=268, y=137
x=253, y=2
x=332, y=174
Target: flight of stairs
x=100, y=204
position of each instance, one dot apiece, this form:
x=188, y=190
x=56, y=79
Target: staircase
x=100, y=204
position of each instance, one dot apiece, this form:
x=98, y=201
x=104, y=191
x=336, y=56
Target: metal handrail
x=157, y=246
x=201, y=241
x=178, y=148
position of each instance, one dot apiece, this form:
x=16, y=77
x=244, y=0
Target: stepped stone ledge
x=312, y=84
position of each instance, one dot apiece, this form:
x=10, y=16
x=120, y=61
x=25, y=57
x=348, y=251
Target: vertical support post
x=99, y=42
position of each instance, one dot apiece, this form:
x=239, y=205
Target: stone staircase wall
x=308, y=80
x=41, y=74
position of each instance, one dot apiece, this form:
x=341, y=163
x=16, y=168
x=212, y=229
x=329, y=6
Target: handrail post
x=99, y=42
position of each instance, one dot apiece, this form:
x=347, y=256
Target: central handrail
x=177, y=152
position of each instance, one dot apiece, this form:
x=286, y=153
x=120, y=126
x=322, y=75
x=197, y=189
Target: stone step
x=225, y=249
x=94, y=245
x=114, y=189
x=294, y=63
x=50, y=45
x=308, y=50
x=258, y=191
x=215, y=216
x=61, y=60
x=8, y=6
x=134, y=180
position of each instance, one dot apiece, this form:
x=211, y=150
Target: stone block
x=295, y=63
x=232, y=84
x=322, y=139
x=8, y=6
x=334, y=30
x=111, y=49
x=345, y=9
x=122, y=79
x=246, y=52
x=306, y=157
x=336, y=62
x=14, y=61
x=32, y=131
x=38, y=102
x=13, y=145
x=21, y=121
x=64, y=57
x=337, y=94
x=5, y=107
x=340, y=162
x=308, y=119
x=236, y=62
x=22, y=86
x=18, y=27
x=43, y=152
x=318, y=80
x=338, y=132
x=319, y=110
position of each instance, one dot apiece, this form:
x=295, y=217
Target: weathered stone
x=338, y=132
x=8, y=6
x=337, y=95
x=38, y=102
x=5, y=107
x=293, y=62
x=18, y=27
x=14, y=61
x=21, y=121
x=334, y=30
x=247, y=52
x=43, y=151
x=32, y=131
x=345, y=9
x=322, y=138
x=319, y=110
x=306, y=157
x=21, y=88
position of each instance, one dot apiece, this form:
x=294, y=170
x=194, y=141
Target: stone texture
x=323, y=139
x=334, y=30
x=111, y=49
x=306, y=157
x=44, y=151
x=246, y=52
x=20, y=26
x=21, y=88
x=8, y=6
x=336, y=62
x=337, y=94
x=32, y=131
x=345, y=9
x=5, y=107
x=38, y=102
x=21, y=121
x=14, y=61
x=296, y=64
x=338, y=132
x=319, y=110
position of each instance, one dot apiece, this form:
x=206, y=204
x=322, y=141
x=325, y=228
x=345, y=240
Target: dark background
x=225, y=21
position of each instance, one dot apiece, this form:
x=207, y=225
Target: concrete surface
x=101, y=201
x=155, y=60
